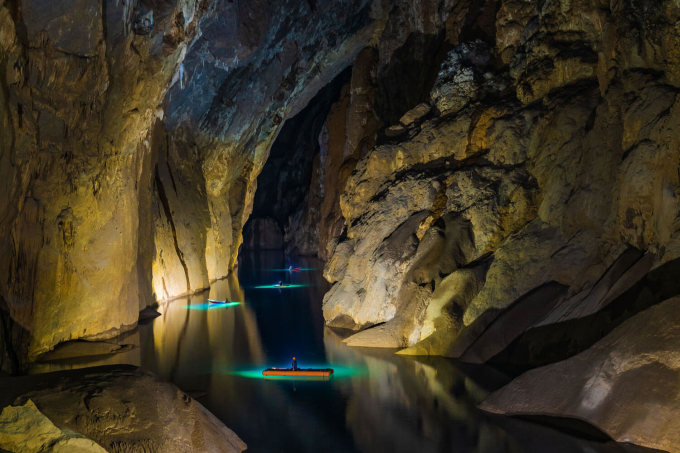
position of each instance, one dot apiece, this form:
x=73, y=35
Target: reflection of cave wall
x=292, y=176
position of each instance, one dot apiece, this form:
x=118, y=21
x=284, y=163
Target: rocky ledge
x=121, y=408
x=627, y=384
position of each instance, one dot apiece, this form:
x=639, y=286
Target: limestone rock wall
x=257, y=64
x=549, y=152
x=81, y=87
x=132, y=135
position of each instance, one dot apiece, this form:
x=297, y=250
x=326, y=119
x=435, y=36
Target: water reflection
x=376, y=402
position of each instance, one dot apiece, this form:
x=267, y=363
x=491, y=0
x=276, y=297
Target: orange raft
x=300, y=372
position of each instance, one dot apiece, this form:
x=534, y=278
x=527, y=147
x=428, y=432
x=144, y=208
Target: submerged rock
x=627, y=384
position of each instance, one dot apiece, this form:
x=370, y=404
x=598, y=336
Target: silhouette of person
x=294, y=364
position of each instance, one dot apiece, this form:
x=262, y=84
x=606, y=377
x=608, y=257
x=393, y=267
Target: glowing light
x=339, y=372
x=209, y=306
x=279, y=287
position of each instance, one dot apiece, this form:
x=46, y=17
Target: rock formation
x=25, y=429
x=546, y=170
x=609, y=385
x=492, y=180
x=121, y=408
x=132, y=138
x=530, y=211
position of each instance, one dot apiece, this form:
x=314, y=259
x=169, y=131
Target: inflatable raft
x=300, y=372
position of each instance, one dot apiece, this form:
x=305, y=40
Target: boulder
x=24, y=429
x=123, y=409
x=627, y=384
x=414, y=115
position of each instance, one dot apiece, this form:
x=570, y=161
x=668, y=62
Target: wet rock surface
x=626, y=384
x=123, y=409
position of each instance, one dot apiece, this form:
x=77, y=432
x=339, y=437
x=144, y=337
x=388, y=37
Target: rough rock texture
x=550, y=161
x=256, y=65
x=80, y=92
x=24, y=429
x=124, y=409
x=627, y=384
x=133, y=134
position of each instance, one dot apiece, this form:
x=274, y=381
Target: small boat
x=300, y=372
x=212, y=301
x=280, y=286
x=294, y=269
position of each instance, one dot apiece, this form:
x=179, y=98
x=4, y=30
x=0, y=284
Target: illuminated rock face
x=121, y=408
x=610, y=384
x=548, y=160
x=131, y=140
x=81, y=91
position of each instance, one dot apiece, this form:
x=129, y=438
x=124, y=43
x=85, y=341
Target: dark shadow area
x=571, y=426
x=284, y=183
x=13, y=342
x=552, y=343
x=408, y=79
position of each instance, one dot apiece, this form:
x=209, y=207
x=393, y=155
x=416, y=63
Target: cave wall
x=540, y=179
x=256, y=65
x=81, y=87
x=132, y=137
x=290, y=186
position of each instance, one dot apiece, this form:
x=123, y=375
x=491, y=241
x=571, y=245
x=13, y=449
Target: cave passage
x=292, y=179
x=462, y=205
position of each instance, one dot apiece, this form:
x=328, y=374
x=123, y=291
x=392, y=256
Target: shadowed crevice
x=168, y=214
x=552, y=343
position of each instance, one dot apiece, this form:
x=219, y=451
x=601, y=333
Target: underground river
x=377, y=401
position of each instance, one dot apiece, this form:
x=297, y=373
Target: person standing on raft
x=294, y=364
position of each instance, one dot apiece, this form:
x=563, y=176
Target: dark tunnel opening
x=288, y=178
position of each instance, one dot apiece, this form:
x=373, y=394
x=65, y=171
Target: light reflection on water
x=376, y=401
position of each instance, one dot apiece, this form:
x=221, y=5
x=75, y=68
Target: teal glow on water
x=339, y=371
x=376, y=401
x=209, y=306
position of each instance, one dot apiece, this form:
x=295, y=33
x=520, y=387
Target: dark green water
x=376, y=402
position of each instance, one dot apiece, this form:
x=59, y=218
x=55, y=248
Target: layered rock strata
x=547, y=170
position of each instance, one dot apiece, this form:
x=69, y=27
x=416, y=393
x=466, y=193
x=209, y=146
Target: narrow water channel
x=375, y=402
